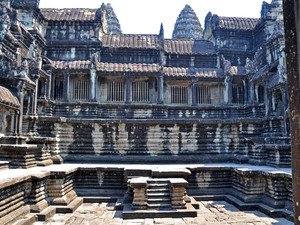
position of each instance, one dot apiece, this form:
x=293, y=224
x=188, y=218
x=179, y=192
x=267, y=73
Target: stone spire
x=113, y=25
x=187, y=25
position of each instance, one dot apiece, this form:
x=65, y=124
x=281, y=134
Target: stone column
x=160, y=89
x=48, y=88
x=52, y=86
x=13, y=123
x=32, y=104
x=127, y=88
x=228, y=90
x=251, y=93
x=194, y=90
x=267, y=100
x=20, y=117
x=66, y=85
x=245, y=83
x=139, y=186
x=35, y=95
x=93, y=86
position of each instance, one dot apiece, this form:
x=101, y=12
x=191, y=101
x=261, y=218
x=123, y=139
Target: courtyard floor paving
x=209, y=212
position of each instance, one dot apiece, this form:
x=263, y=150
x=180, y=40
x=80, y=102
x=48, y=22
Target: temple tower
x=187, y=25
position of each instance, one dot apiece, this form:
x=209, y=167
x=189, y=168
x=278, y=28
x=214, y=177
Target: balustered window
x=79, y=89
x=140, y=91
x=238, y=94
x=203, y=95
x=58, y=89
x=115, y=91
x=179, y=95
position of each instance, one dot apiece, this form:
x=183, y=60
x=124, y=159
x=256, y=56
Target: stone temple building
x=204, y=113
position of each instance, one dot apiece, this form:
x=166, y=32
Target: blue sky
x=145, y=16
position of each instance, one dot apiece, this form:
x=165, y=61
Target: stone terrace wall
x=154, y=140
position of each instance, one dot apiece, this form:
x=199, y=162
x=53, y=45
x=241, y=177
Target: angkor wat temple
x=81, y=104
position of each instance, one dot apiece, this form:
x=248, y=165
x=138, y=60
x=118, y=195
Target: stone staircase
x=158, y=192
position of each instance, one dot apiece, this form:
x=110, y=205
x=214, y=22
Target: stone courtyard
x=209, y=212
x=102, y=127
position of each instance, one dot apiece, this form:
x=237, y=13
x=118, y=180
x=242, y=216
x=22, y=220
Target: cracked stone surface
x=210, y=212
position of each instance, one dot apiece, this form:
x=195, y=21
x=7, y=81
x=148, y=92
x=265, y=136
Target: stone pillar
x=139, y=186
x=251, y=93
x=12, y=123
x=160, y=89
x=194, y=90
x=66, y=85
x=20, y=117
x=177, y=190
x=48, y=88
x=228, y=90
x=52, y=86
x=35, y=95
x=93, y=86
x=267, y=99
x=245, y=83
x=33, y=103
x=127, y=88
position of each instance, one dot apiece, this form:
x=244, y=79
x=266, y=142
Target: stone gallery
x=89, y=114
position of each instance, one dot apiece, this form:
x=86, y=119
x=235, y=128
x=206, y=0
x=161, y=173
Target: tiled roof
x=8, y=99
x=124, y=67
x=237, y=23
x=197, y=72
x=188, y=46
x=71, y=14
x=139, y=41
x=78, y=65
x=108, y=67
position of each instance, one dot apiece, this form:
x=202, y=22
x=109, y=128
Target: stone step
x=160, y=190
x=151, y=186
x=71, y=207
x=159, y=201
x=158, y=194
x=159, y=206
x=128, y=213
x=46, y=213
x=158, y=181
x=27, y=220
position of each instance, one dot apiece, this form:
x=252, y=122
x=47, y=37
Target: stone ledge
x=128, y=213
x=248, y=206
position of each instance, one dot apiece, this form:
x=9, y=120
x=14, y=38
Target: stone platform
x=209, y=213
x=36, y=191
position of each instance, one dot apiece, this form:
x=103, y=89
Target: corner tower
x=109, y=19
x=187, y=25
